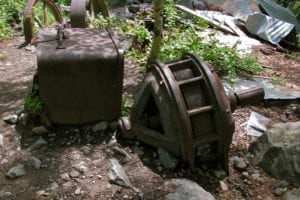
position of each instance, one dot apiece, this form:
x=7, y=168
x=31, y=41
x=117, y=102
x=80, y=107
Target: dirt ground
x=69, y=147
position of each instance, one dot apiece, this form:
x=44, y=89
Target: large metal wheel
x=39, y=14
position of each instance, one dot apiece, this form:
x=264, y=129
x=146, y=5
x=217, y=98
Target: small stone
x=125, y=196
x=102, y=126
x=278, y=191
x=16, y=171
x=117, y=173
x=1, y=140
x=245, y=175
x=41, y=142
x=3, y=161
x=67, y=185
x=54, y=186
x=138, y=151
x=41, y=193
x=223, y=186
x=283, y=118
x=34, y=162
x=74, y=174
x=239, y=162
x=65, y=176
x=219, y=174
x=39, y=130
x=11, y=119
x=255, y=176
x=24, y=118
x=77, y=191
x=80, y=167
x=260, y=180
x=160, y=169
x=121, y=154
x=86, y=150
x=166, y=159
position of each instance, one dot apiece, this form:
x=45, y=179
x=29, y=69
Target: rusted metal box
x=81, y=82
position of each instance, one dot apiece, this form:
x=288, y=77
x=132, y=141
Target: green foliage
x=126, y=107
x=64, y=2
x=278, y=81
x=9, y=12
x=32, y=101
x=2, y=57
x=183, y=37
x=293, y=5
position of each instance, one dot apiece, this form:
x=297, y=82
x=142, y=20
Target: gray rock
x=160, y=169
x=239, y=162
x=121, y=154
x=86, y=150
x=1, y=140
x=54, y=186
x=3, y=161
x=138, y=151
x=166, y=159
x=245, y=175
x=16, y=171
x=34, y=162
x=260, y=180
x=74, y=174
x=117, y=174
x=80, y=167
x=255, y=176
x=65, y=176
x=11, y=119
x=219, y=174
x=278, y=152
x=187, y=189
x=100, y=127
x=38, y=130
x=279, y=191
x=293, y=194
x=41, y=142
x=24, y=118
x=77, y=191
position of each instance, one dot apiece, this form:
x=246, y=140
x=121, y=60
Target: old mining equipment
x=183, y=108
x=80, y=75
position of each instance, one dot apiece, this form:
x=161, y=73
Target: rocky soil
x=76, y=162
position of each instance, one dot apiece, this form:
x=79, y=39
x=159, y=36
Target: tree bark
x=158, y=27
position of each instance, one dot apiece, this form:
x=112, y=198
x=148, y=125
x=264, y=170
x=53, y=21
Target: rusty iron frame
x=28, y=16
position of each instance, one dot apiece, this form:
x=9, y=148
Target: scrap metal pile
x=263, y=18
x=181, y=107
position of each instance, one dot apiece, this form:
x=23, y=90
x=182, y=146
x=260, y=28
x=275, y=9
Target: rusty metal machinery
x=80, y=75
x=78, y=13
x=29, y=18
x=183, y=108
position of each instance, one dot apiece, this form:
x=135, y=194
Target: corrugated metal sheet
x=238, y=8
x=279, y=12
x=268, y=28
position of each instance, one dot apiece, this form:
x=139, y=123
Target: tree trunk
x=158, y=27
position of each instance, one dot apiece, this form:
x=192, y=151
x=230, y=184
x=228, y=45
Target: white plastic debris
x=257, y=124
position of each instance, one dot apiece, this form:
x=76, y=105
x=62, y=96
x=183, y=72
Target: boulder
x=187, y=189
x=278, y=152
